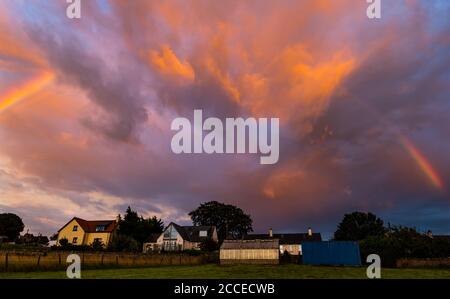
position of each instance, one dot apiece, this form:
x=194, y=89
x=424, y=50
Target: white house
x=177, y=238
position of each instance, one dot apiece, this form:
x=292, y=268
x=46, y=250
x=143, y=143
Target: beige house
x=83, y=232
x=177, y=238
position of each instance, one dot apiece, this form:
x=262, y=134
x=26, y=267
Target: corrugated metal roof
x=250, y=244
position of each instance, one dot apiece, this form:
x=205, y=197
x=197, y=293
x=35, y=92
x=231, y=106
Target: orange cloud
x=296, y=85
x=169, y=64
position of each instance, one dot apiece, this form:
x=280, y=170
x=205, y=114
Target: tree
x=228, y=219
x=10, y=225
x=358, y=226
x=137, y=227
x=123, y=243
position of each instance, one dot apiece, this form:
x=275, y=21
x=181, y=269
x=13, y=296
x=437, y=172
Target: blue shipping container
x=335, y=253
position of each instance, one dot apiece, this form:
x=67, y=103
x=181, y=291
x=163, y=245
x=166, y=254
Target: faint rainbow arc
x=423, y=163
x=29, y=88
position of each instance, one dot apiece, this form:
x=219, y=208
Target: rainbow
x=423, y=163
x=15, y=95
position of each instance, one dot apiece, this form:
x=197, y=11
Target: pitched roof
x=152, y=238
x=192, y=233
x=288, y=239
x=250, y=244
x=90, y=226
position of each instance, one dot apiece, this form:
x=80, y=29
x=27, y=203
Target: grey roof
x=153, y=238
x=286, y=238
x=250, y=244
x=192, y=233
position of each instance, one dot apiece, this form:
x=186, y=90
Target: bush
x=209, y=245
x=124, y=243
x=193, y=252
x=403, y=242
x=97, y=245
x=63, y=242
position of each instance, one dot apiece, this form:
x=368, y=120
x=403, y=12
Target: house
x=291, y=243
x=250, y=251
x=151, y=244
x=28, y=238
x=177, y=238
x=83, y=232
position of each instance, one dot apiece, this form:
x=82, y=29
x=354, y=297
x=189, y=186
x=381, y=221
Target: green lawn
x=239, y=271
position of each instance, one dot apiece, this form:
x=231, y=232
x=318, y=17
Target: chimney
x=270, y=232
x=310, y=232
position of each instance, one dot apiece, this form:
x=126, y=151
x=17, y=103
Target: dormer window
x=203, y=233
x=100, y=228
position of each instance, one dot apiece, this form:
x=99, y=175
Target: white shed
x=250, y=252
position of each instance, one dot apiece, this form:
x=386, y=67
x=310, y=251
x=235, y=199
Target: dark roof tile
x=297, y=238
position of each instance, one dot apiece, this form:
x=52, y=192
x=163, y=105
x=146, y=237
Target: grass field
x=289, y=271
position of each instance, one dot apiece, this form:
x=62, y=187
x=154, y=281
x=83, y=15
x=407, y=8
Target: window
x=203, y=233
x=100, y=228
x=170, y=233
x=171, y=246
x=99, y=240
x=75, y=228
x=74, y=240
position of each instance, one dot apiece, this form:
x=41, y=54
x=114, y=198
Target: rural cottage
x=177, y=238
x=83, y=232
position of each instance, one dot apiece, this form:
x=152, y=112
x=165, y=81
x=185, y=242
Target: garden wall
x=25, y=261
x=423, y=263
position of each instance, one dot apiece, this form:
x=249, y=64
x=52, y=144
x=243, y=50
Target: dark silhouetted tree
x=229, y=220
x=358, y=226
x=10, y=225
x=137, y=227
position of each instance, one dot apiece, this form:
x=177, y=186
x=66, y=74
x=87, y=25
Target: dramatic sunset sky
x=364, y=107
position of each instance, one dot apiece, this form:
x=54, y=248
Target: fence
x=22, y=261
